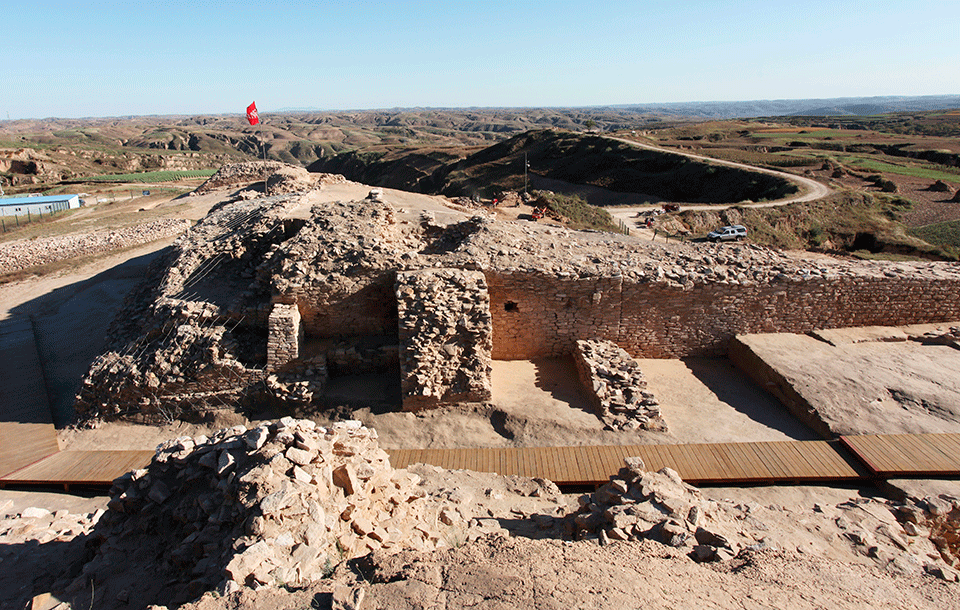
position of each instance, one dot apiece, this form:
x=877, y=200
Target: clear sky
x=79, y=59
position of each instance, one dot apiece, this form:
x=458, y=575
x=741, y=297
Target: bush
x=578, y=213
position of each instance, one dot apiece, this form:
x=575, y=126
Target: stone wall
x=616, y=386
x=357, y=306
x=445, y=337
x=536, y=315
x=285, y=333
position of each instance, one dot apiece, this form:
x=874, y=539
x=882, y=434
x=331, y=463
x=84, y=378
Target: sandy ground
x=808, y=563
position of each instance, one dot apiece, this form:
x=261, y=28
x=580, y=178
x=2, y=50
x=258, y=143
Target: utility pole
x=525, y=166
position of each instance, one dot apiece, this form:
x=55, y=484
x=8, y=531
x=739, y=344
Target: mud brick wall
x=445, y=337
x=542, y=316
x=284, y=335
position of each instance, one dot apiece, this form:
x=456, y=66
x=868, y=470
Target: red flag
x=252, y=115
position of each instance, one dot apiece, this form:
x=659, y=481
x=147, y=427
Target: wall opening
x=511, y=306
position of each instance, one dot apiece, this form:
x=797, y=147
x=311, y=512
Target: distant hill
x=844, y=106
x=581, y=159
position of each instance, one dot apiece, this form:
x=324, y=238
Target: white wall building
x=37, y=206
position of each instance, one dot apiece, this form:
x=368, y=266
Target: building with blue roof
x=37, y=206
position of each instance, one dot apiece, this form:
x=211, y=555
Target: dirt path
x=810, y=189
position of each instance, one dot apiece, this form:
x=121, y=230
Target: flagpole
x=263, y=147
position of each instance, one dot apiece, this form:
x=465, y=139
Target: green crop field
x=916, y=171
x=161, y=176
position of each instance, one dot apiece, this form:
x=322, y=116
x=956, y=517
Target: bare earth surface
x=870, y=387
x=816, y=547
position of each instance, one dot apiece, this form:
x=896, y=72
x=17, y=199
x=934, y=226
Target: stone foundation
x=285, y=333
x=617, y=387
x=445, y=337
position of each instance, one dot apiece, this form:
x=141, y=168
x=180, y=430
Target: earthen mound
x=289, y=179
x=240, y=174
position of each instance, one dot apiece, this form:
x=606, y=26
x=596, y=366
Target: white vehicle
x=730, y=233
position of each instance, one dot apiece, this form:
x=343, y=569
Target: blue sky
x=115, y=59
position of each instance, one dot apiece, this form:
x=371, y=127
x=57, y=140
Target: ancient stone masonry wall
x=445, y=337
x=349, y=306
x=616, y=386
x=536, y=315
x=285, y=333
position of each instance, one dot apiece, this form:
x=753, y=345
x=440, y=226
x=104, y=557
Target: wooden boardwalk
x=79, y=468
x=24, y=444
x=698, y=464
x=907, y=455
x=850, y=459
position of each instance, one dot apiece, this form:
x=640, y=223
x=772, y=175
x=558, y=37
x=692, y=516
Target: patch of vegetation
x=943, y=234
x=916, y=171
x=161, y=176
x=576, y=212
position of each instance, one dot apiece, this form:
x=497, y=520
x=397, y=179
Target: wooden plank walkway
x=698, y=464
x=907, y=455
x=24, y=444
x=851, y=459
x=80, y=468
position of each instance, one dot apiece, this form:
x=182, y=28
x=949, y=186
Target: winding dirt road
x=810, y=190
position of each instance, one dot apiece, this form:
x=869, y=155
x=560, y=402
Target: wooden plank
x=721, y=460
x=887, y=455
x=800, y=466
x=712, y=464
x=22, y=444
x=699, y=466
x=755, y=469
x=768, y=454
x=836, y=461
x=916, y=457
x=484, y=461
x=664, y=457
x=931, y=458
x=823, y=458
x=903, y=457
x=610, y=458
x=855, y=444
x=560, y=472
x=576, y=459
x=596, y=465
x=735, y=458
x=82, y=467
x=949, y=445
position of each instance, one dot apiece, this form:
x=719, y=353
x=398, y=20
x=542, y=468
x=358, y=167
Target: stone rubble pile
x=23, y=254
x=279, y=504
x=300, y=382
x=446, y=337
x=636, y=504
x=290, y=179
x=949, y=337
x=240, y=174
x=617, y=386
x=43, y=526
x=281, y=178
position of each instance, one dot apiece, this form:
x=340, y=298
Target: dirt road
x=810, y=190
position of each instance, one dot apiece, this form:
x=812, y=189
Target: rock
x=345, y=478
x=347, y=598
x=34, y=512
x=159, y=492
